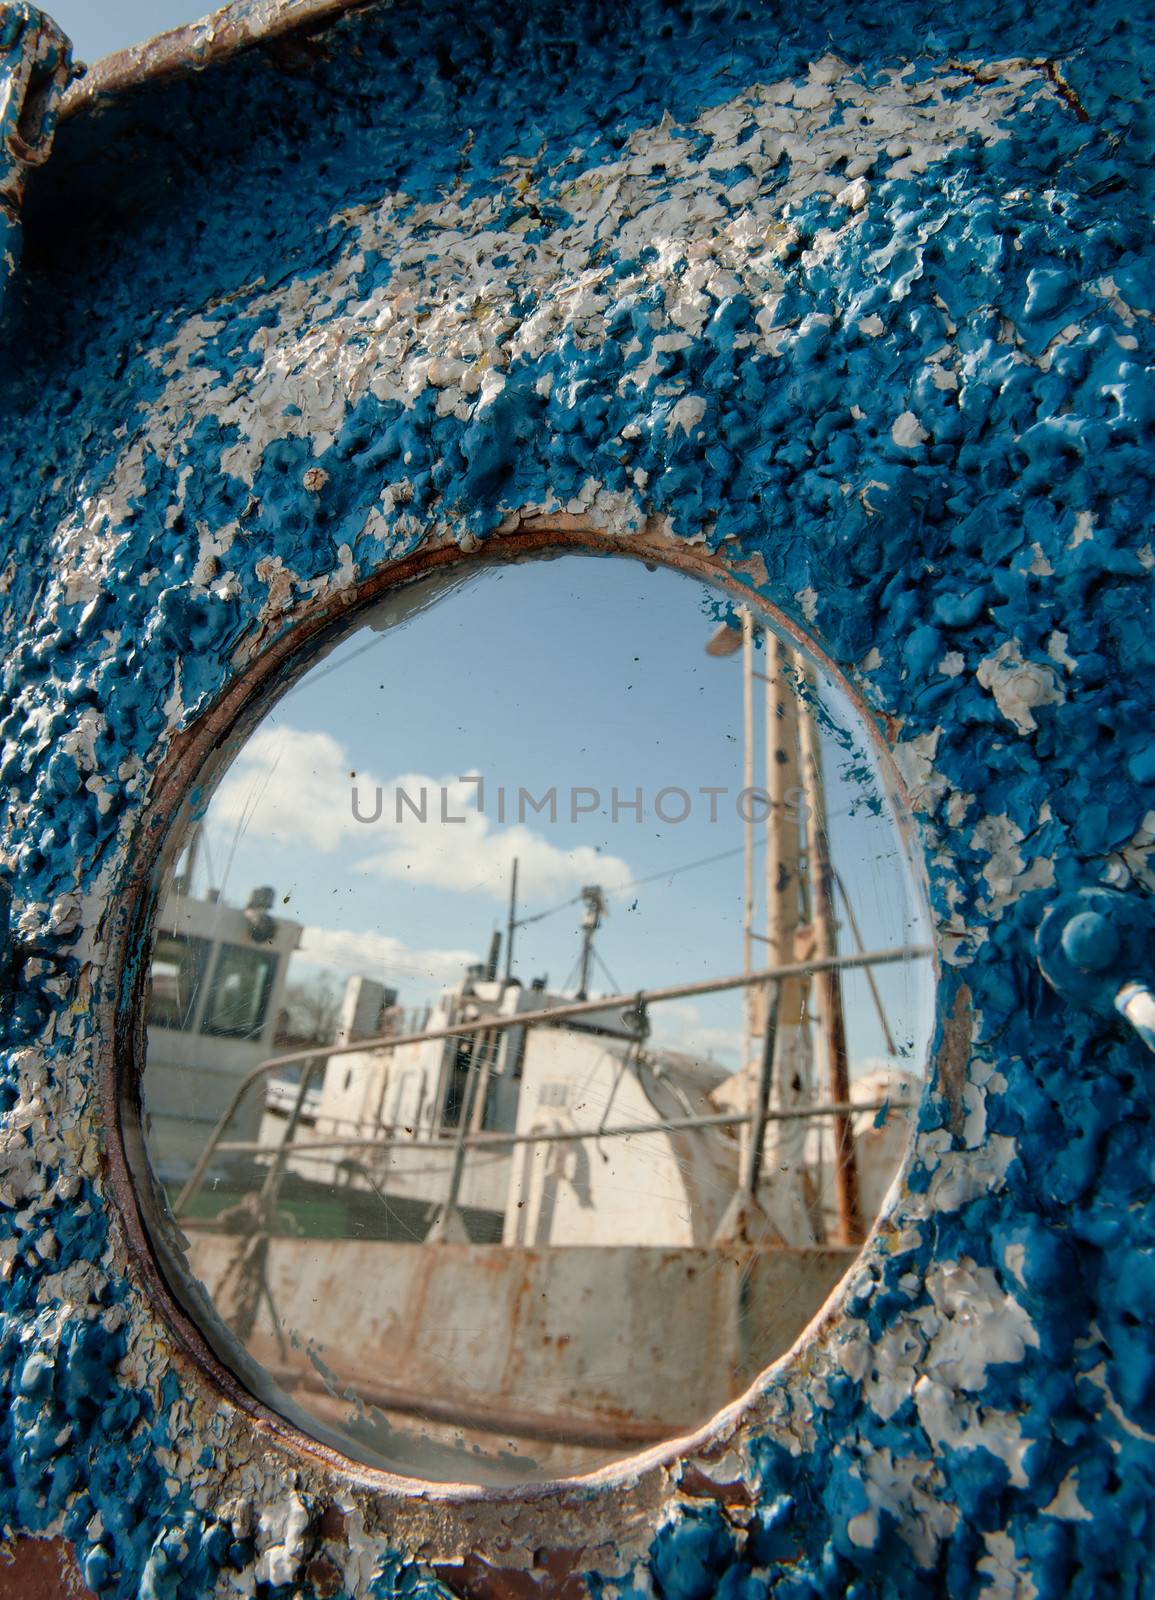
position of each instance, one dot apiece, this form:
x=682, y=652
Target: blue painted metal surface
x=865, y=303
x=35, y=67
x=1097, y=950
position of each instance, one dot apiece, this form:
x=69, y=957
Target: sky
x=578, y=677
x=98, y=27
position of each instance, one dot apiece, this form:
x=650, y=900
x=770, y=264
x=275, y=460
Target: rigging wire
x=615, y=986
x=658, y=877
x=539, y=916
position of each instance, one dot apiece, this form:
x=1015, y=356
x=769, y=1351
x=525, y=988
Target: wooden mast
x=789, y=1084
x=828, y=985
x=752, y=1007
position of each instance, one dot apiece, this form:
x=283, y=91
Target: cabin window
x=238, y=994
x=455, y=1089
x=178, y=965
x=562, y=950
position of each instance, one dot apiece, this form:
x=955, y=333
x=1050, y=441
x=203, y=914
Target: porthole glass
x=538, y=1003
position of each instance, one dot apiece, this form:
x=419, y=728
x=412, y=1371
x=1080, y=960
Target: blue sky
x=98, y=27
x=577, y=674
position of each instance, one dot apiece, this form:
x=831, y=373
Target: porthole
x=536, y=1004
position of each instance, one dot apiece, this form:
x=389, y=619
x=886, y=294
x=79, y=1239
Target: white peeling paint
x=1019, y=687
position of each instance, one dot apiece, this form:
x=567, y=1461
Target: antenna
x=512, y=923
x=595, y=909
x=494, y=955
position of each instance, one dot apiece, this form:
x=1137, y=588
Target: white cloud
x=292, y=786
x=289, y=786
x=474, y=857
x=378, y=955
x=680, y=1026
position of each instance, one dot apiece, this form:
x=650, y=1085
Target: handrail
x=488, y=1140
x=500, y=1021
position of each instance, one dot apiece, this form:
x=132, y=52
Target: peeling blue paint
x=910, y=404
x=35, y=66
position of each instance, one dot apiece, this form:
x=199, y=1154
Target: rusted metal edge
x=189, y=49
x=623, y=1434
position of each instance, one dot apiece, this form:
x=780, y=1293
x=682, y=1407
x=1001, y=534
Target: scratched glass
x=536, y=1016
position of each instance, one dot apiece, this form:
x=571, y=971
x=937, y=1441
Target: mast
x=752, y=1006
x=595, y=910
x=783, y=1079
x=828, y=984
x=511, y=925
x=784, y=878
x=800, y=924
x=783, y=834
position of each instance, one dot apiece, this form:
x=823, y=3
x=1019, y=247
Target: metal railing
x=489, y=1026
x=627, y=1130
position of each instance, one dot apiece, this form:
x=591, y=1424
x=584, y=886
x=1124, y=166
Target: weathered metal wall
x=860, y=301
x=490, y=1333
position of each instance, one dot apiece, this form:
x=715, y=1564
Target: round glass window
x=537, y=1011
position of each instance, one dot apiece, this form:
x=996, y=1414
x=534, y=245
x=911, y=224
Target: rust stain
x=41, y=1569
x=182, y=51
x=953, y=1057
x=695, y=1484
x=1064, y=91
x=333, y=1524
x=325, y=1576
x=553, y=1577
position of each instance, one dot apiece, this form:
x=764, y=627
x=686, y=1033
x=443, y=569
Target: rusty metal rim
x=180, y=52
x=625, y=1438
x=625, y=1491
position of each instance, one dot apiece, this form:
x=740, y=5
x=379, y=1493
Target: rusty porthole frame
x=614, y=1501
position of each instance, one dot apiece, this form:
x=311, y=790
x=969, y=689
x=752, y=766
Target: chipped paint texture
x=863, y=303
x=35, y=66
